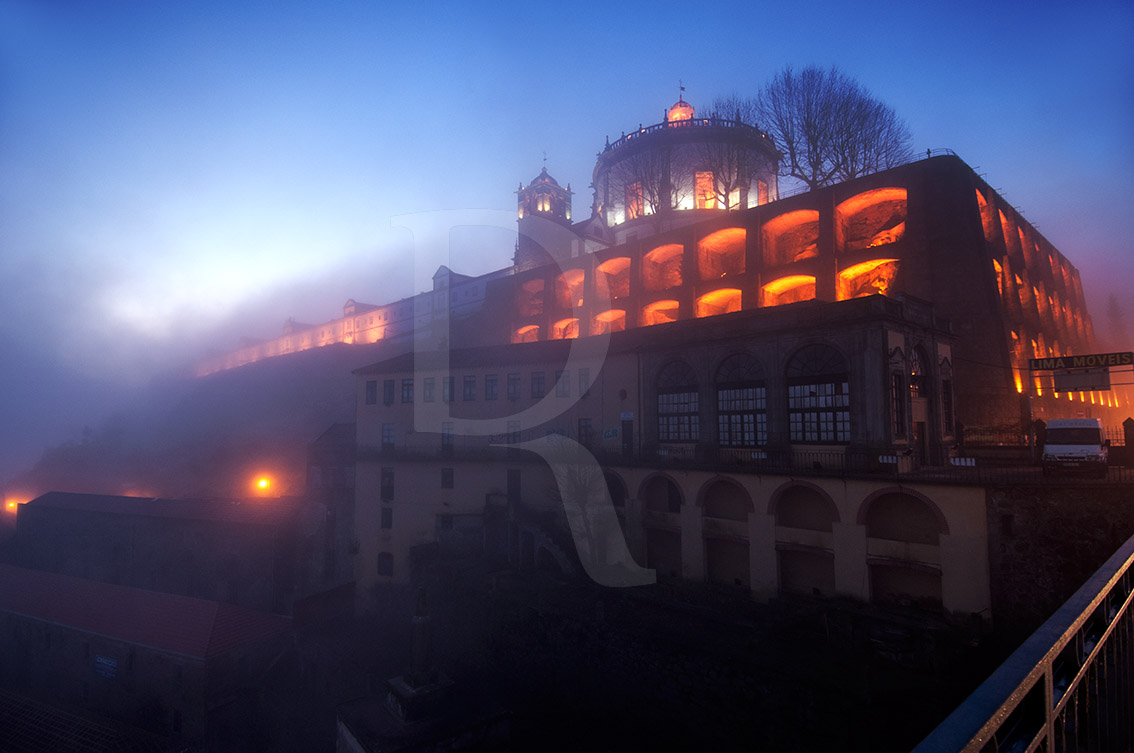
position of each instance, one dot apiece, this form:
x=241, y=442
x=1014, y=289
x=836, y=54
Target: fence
x=1069, y=687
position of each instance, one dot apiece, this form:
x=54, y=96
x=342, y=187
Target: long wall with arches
x=872, y=541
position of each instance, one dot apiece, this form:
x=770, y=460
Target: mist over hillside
x=211, y=436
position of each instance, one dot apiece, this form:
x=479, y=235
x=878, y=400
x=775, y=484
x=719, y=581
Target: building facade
x=697, y=425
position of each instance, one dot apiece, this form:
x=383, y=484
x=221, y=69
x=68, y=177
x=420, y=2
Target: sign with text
x=1092, y=361
x=1082, y=380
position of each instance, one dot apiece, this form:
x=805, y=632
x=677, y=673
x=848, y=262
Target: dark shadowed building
x=264, y=554
x=173, y=665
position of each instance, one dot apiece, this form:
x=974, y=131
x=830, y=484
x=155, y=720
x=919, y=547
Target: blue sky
x=176, y=175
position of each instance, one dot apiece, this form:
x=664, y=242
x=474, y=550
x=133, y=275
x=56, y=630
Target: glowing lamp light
x=262, y=485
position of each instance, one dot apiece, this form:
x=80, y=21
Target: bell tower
x=546, y=198
x=543, y=214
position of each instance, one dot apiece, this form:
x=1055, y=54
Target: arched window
x=918, y=386
x=818, y=395
x=742, y=402
x=678, y=404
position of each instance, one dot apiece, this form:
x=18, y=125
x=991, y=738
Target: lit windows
x=706, y=192
x=634, y=200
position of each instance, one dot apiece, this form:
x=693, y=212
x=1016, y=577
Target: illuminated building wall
x=648, y=255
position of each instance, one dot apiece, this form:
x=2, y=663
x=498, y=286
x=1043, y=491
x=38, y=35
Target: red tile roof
x=183, y=625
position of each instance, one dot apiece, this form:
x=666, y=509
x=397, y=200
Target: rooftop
x=194, y=628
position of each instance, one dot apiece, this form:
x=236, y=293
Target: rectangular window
x=407, y=390
x=898, y=404
x=819, y=412
x=387, y=485
x=371, y=391
x=947, y=407
x=586, y=432
x=491, y=386
x=538, y=387
x=742, y=419
x=446, y=478
x=584, y=381
x=387, y=517
x=513, y=432
x=447, y=437
x=447, y=385
x=388, y=392
x=468, y=387
x=562, y=384
x=706, y=191
x=427, y=386
x=678, y=417
x=513, y=386
x=387, y=436
x=385, y=563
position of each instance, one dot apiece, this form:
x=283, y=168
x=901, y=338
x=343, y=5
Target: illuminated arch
x=569, y=289
x=788, y=290
x=565, y=329
x=721, y=253
x=987, y=216
x=612, y=320
x=661, y=267
x=528, y=334
x=660, y=312
x=871, y=218
x=868, y=278
x=792, y=236
x=529, y=298
x=723, y=301
x=613, y=280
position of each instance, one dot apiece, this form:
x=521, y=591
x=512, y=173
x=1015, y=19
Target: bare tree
x=649, y=171
x=828, y=127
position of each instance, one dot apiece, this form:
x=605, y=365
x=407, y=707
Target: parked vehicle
x=1075, y=445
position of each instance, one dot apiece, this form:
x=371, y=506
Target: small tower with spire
x=542, y=201
x=546, y=198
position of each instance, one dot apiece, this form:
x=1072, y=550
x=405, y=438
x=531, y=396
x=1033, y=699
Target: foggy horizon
x=183, y=178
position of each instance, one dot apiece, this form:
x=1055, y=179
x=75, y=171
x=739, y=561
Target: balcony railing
x=692, y=123
x=1069, y=687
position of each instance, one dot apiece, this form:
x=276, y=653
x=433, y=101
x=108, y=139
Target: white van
x=1074, y=445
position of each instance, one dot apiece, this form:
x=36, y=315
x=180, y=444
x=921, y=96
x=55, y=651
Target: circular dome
x=681, y=110
x=544, y=177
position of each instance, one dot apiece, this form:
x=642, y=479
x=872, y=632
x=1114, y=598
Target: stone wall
x=1045, y=541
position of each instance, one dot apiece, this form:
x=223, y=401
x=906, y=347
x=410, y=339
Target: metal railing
x=691, y=123
x=1069, y=687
